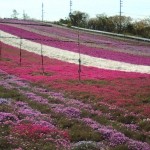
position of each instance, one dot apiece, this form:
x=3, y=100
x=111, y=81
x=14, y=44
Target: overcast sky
x=56, y=9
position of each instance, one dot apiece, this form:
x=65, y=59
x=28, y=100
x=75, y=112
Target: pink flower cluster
x=38, y=131
x=40, y=125
x=8, y=118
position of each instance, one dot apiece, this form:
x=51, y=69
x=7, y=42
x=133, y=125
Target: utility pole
x=20, y=50
x=120, y=22
x=42, y=12
x=70, y=7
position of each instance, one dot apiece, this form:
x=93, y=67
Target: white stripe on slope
x=73, y=57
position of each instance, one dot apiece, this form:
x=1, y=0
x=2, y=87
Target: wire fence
x=38, y=40
x=70, y=41
x=78, y=41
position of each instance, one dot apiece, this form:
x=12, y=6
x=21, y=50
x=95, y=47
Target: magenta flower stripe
x=72, y=46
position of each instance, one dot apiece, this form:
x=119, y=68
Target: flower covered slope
x=45, y=106
x=50, y=119
x=68, y=51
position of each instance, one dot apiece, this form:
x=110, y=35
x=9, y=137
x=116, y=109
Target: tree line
x=115, y=24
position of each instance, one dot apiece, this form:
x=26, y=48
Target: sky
x=56, y=9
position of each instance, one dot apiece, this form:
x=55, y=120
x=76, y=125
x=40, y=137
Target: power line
x=79, y=41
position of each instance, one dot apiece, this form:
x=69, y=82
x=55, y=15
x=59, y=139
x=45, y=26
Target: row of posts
x=42, y=58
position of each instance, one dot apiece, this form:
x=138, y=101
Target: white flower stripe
x=73, y=57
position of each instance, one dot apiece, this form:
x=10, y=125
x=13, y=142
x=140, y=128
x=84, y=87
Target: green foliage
x=69, y=24
x=127, y=119
x=141, y=137
x=120, y=147
x=100, y=119
x=5, y=108
x=78, y=131
x=13, y=94
x=144, y=98
x=103, y=22
x=97, y=82
x=37, y=106
x=145, y=125
x=86, y=146
x=4, y=144
x=79, y=18
x=4, y=131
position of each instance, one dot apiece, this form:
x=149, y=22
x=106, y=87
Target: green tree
x=125, y=21
x=142, y=28
x=79, y=18
x=102, y=22
x=92, y=24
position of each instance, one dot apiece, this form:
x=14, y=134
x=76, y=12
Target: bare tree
x=25, y=16
x=15, y=14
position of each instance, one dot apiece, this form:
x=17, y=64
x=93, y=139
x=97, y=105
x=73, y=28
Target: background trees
x=102, y=22
x=110, y=24
x=106, y=23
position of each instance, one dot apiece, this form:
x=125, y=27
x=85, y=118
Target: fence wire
x=78, y=40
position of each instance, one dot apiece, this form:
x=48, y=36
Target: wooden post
x=79, y=70
x=42, y=59
x=20, y=51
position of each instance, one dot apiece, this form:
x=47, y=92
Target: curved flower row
x=41, y=128
x=59, y=31
x=73, y=47
x=72, y=57
x=128, y=90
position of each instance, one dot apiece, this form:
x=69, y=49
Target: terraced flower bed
x=52, y=109
x=73, y=46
